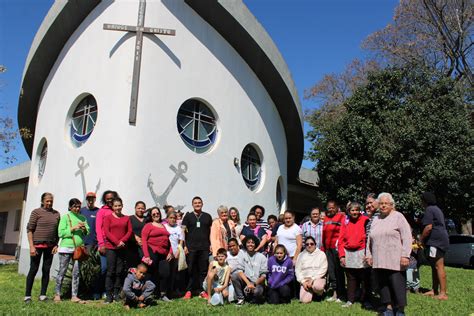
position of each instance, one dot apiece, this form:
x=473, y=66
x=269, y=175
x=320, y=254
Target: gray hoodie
x=252, y=266
x=133, y=287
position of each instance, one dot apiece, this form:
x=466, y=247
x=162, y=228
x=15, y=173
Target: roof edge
x=230, y=18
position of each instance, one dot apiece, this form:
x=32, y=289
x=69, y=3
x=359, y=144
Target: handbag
x=80, y=253
x=181, y=259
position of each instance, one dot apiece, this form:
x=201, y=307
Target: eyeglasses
x=310, y=244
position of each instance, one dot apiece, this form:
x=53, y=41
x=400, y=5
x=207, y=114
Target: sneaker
x=367, y=305
x=118, y=296
x=240, y=302
x=43, y=298
x=165, y=298
x=331, y=299
x=27, y=300
x=347, y=304
x=187, y=295
x=203, y=295
x=338, y=300
x=108, y=300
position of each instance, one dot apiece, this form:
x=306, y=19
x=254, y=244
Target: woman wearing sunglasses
x=311, y=267
x=157, y=251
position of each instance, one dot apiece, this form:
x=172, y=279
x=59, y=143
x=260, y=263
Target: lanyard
x=198, y=222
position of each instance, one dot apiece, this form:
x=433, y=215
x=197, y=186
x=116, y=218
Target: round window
x=197, y=125
x=251, y=167
x=83, y=120
x=42, y=157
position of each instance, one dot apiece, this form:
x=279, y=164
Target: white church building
x=161, y=101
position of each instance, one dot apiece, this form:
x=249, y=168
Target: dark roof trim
x=230, y=18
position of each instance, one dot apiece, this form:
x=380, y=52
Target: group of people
x=226, y=258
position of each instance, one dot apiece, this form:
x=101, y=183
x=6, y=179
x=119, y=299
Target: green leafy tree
x=435, y=33
x=407, y=130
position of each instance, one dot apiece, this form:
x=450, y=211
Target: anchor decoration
x=82, y=167
x=161, y=200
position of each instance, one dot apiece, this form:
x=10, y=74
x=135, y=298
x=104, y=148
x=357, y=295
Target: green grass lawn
x=460, y=283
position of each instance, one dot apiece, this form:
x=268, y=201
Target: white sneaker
x=331, y=299
x=338, y=301
x=348, y=304
x=240, y=302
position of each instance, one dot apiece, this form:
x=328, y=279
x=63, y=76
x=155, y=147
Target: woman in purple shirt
x=279, y=277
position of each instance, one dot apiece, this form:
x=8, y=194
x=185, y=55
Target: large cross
x=139, y=29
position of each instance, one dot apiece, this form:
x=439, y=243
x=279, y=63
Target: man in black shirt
x=197, y=228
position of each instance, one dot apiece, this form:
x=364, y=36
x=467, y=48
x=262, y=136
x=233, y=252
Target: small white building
x=13, y=188
x=217, y=114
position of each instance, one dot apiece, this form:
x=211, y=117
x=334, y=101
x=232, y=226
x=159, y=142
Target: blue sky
x=314, y=36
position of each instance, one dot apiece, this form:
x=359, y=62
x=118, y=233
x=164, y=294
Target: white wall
x=197, y=62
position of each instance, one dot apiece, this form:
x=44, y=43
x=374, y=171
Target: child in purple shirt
x=280, y=275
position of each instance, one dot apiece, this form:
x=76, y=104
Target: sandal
x=76, y=299
x=57, y=298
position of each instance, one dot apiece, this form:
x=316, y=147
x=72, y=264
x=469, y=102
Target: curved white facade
x=220, y=55
x=196, y=63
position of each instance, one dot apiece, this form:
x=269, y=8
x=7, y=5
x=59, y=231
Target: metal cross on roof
x=139, y=29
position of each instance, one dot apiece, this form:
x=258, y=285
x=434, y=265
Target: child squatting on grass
x=138, y=291
x=280, y=275
x=218, y=277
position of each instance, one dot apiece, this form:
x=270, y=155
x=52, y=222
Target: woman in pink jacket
x=104, y=211
x=222, y=229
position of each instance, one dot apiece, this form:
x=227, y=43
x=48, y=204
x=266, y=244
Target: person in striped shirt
x=314, y=228
x=259, y=212
x=43, y=239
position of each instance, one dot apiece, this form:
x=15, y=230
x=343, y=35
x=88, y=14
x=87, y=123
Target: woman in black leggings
x=43, y=239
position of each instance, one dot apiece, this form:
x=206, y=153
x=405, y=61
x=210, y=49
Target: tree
x=435, y=33
x=407, y=130
x=9, y=133
x=8, y=140
x=333, y=90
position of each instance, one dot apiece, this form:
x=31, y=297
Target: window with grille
x=197, y=125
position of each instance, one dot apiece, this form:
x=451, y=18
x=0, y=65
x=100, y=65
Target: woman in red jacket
x=157, y=250
x=351, y=249
x=117, y=230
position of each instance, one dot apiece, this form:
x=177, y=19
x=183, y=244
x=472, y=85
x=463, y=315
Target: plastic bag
x=217, y=299
x=182, y=265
